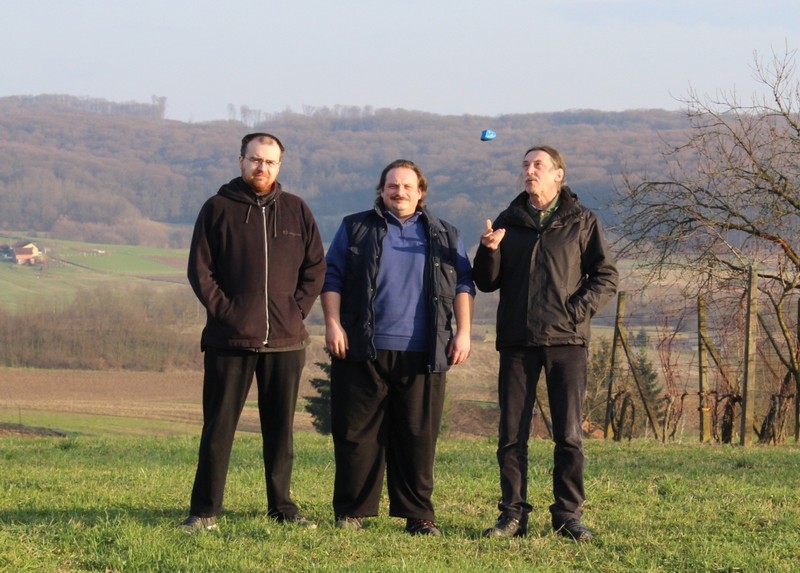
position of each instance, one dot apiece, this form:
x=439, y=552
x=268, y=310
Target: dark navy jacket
x=365, y=233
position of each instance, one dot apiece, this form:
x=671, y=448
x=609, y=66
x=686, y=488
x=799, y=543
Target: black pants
x=565, y=374
x=227, y=381
x=385, y=412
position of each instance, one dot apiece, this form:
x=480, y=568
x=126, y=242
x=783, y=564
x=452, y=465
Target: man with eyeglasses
x=256, y=263
x=547, y=255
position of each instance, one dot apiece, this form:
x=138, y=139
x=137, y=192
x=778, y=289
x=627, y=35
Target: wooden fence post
x=703, y=406
x=651, y=417
x=608, y=430
x=749, y=382
x=621, y=338
x=797, y=389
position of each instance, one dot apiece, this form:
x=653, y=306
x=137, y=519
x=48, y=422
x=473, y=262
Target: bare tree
x=730, y=201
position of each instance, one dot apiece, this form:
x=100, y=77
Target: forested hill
x=91, y=170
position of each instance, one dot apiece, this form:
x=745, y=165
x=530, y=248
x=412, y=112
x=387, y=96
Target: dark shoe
x=506, y=526
x=574, y=529
x=350, y=522
x=296, y=520
x=194, y=523
x=422, y=527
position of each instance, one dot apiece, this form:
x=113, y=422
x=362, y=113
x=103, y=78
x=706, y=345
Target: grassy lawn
x=113, y=502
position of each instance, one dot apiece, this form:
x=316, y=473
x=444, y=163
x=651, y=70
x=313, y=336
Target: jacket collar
x=238, y=190
x=425, y=214
x=568, y=205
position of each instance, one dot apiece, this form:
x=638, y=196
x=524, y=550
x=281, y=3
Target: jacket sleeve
x=201, y=268
x=486, y=269
x=600, y=272
x=312, y=271
x=486, y=266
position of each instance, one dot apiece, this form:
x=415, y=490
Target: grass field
x=108, y=497
x=112, y=504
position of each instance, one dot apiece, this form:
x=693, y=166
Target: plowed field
x=176, y=396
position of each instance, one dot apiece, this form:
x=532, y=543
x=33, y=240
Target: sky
x=211, y=58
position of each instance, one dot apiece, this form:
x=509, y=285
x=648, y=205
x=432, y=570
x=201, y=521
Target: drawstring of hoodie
x=274, y=219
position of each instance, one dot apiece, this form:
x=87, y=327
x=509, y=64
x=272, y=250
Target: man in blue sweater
x=396, y=277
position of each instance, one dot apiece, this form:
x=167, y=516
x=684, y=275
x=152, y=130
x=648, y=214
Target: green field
x=112, y=504
x=69, y=267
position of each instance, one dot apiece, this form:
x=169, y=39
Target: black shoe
x=574, y=529
x=194, y=523
x=350, y=522
x=296, y=520
x=422, y=527
x=507, y=526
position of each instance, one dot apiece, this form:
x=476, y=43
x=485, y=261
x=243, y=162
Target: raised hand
x=491, y=238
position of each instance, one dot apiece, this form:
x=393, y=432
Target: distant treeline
x=104, y=329
x=90, y=170
x=53, y=102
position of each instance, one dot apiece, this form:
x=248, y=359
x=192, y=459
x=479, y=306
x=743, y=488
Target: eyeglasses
x=258, y=162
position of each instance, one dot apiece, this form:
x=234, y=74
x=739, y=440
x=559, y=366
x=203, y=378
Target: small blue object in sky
x=487, y=134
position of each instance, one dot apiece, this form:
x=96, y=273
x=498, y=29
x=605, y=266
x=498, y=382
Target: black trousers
x=565, y=374
x=227, y=381
x=385, y=413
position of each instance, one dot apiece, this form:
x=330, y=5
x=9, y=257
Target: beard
x=260, y=185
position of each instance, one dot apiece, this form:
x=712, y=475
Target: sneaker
x=296, y=520
x=422, y=527
x=349, y=522
x=575, y=530
x=506, y=526
x=195, y=523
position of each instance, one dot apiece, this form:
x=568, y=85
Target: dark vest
x=365, y=234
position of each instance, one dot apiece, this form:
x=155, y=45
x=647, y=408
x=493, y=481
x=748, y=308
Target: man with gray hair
x=547, y=255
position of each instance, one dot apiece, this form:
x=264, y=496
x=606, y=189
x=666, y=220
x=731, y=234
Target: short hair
x=555, y=156
x=262, y=138
x=422, y=182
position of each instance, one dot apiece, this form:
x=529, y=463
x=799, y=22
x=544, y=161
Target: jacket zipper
x=433, y=295
x=373, y=287
x=266, y=273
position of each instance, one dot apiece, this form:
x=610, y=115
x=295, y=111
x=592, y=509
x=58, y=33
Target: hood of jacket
x=238, y=190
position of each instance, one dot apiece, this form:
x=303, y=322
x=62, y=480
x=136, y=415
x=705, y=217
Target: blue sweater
x=401, y=316
x=401, y=313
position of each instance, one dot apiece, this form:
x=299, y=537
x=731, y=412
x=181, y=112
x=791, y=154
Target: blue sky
x=441, y=56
